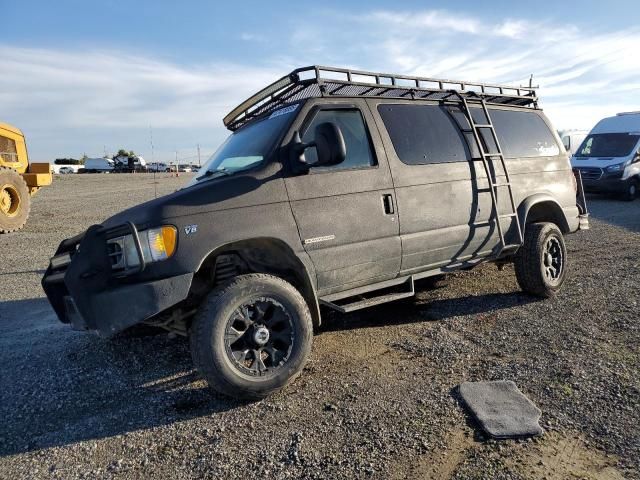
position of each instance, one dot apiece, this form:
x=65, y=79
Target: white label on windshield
x=284, y=111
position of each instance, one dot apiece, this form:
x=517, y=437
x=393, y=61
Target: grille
x=590, y=173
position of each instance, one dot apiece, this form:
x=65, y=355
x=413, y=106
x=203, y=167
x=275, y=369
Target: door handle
x=387, y=202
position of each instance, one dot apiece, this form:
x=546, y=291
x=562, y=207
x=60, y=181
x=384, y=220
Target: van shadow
x=410, y=311
x=61, y=387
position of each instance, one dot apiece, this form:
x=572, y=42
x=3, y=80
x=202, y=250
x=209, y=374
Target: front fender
x=275, y=252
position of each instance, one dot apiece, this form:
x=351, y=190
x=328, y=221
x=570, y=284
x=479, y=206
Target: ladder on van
x=491, y=159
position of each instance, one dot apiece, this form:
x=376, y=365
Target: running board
x=369, y=299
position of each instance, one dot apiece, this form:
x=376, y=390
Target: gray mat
x=502, y=410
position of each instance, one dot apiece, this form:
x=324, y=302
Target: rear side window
x=356, y=138
x=423, y=134
x=523, y=134
x=8, y=150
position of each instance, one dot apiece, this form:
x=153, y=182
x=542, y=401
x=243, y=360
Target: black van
x=336, y=188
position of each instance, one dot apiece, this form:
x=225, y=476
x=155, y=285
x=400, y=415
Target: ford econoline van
x=338, y=188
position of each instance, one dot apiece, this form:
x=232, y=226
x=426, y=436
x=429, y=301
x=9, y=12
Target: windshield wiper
x=209, y=173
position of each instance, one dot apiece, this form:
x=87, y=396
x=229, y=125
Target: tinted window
x=423, y=134
x=355, y=135
x=523, y=134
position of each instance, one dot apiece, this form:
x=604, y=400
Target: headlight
x=618, y=167
x=157, y=244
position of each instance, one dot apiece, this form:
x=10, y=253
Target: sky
x=85, y=77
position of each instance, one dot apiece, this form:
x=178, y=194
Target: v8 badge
x=189, y=229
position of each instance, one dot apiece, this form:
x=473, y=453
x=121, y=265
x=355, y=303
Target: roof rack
x=318, y=81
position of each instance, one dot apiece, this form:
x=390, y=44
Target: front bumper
x=85, y=292
x=606, y=185
x=598, y=180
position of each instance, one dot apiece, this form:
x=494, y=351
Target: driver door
x=346, y=213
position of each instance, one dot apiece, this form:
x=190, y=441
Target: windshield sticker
x=284, y=111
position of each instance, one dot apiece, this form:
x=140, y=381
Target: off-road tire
x=529, y=262
x=631, y=190
x=13, y=187
x=207, y=336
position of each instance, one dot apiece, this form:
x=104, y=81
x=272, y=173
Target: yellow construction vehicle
x=19, y=181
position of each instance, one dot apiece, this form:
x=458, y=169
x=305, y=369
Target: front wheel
x=631, y=190
x=540, y=264
x=252, y=336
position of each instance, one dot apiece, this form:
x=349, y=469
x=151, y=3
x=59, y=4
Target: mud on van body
x=336, y=188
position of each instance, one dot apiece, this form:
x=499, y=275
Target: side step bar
x=369, y=299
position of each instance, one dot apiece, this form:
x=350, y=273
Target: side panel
x=341, y=218
x=444, y=208
x=437, y=206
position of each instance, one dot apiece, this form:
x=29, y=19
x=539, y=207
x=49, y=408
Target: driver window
x=356, y=138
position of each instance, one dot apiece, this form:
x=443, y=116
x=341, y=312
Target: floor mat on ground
x=501, y=409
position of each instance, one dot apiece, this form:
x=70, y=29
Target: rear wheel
x=540, y=264
x=15, y=201
x=252, y=336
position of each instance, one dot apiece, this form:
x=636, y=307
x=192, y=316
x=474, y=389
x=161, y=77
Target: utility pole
x=199, y=162
x=155, y=167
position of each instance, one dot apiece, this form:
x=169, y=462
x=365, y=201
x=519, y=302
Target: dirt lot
x=377, y=399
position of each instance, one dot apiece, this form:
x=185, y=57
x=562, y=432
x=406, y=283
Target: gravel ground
x=377, y=399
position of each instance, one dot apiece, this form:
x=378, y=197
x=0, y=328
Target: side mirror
x=328, y=142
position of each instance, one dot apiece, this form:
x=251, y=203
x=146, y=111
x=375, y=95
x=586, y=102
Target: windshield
x=248, y=146
x=608, y=145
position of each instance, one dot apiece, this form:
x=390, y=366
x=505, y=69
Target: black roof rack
x=317, y=81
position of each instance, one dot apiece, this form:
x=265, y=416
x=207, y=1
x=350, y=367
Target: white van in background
x=98, y=165
x=572, y=139
x=609, y=158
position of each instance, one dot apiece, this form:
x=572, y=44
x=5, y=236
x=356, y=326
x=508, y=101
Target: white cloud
x=430, y=20
x=594, y=70
x=252, y=37
x=53, y=94
x=75, y=100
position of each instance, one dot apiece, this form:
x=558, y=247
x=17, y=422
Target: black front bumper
x=84, y=290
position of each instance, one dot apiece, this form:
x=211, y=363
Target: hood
x=223, y=193
x=599, y=162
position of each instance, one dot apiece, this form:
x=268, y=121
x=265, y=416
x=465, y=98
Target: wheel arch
x=260, y=255
x=542, y=207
